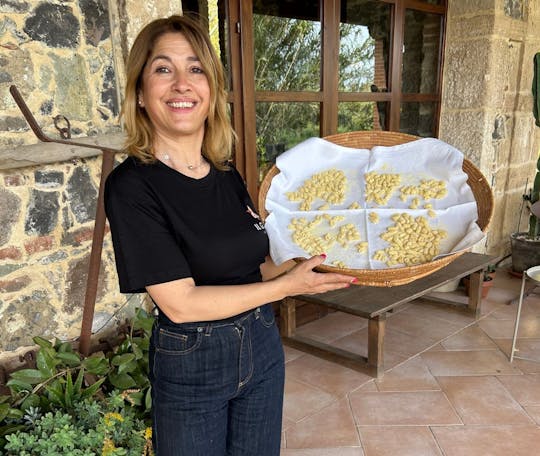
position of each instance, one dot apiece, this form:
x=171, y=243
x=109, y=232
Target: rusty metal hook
x=65, y=132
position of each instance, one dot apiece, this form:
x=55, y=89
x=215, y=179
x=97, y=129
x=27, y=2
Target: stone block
x=76, y=281
x=39, y=244
x=466, y=74
x=458, y=7
x=10, y=206
x=466, y=27
x=82, y=195
x=54, y=25
x=10, y=253
x=42, y=213
x=17, y=284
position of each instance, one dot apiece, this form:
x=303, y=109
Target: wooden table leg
x=475, y=292
x=287, y=313
x=376, y=330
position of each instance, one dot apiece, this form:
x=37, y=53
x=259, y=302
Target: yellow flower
x=148, y=433
x=108, y=447
x=110, y=418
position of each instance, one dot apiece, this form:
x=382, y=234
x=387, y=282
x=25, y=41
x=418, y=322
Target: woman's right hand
x=302, y=279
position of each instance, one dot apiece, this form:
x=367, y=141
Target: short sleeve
x=146, y=251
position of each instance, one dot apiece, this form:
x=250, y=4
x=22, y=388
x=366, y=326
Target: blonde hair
x=218, y=133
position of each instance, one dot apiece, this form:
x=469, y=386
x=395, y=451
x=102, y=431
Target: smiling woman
x=184, y=230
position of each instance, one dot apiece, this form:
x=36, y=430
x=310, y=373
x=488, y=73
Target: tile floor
x=448, y=390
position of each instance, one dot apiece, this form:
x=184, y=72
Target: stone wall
x=487, y=101
x=66, y=59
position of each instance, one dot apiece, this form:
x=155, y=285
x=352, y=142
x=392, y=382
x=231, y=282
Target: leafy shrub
x=71, y=406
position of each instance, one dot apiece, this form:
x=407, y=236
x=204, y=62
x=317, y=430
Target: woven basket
x=396, y=276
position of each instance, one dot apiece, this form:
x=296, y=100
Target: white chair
x=532, y=274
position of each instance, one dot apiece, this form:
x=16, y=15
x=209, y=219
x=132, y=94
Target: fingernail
x=354, y=280
x=323, y=255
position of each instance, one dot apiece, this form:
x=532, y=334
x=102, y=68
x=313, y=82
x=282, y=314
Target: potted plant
x=526, y=245
x=487, y=280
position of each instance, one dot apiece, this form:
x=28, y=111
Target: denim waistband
x=234, y=320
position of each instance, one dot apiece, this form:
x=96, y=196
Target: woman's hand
x=301, y=279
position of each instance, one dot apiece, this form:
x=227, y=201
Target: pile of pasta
x=411, y=239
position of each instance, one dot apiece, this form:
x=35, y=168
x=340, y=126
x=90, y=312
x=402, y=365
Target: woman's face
x=175, y=90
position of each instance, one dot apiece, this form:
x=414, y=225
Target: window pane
x=418, y=118
x=213, y=14
x=281, y=126
x=421, y=52
x=356, y=116
x=364, y=46
x=287, y=41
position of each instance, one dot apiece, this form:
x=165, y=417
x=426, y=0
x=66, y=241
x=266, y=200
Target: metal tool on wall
x=107, y=164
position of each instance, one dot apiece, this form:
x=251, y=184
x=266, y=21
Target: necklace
x=167, y=157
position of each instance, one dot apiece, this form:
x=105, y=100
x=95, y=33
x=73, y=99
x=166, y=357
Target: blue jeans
x=217, y=387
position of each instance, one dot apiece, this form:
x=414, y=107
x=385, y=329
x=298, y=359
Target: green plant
x=489, y=272
x=534, y=194
x=104, y=398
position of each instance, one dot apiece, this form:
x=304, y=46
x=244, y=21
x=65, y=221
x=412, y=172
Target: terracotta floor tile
x=524, y=388
x=471, y=338
x=291, y=353
x=404, y=408
x=412, y=375
x=402, y=441
x=392, y=414
x=325, y=375
x=425, y=308
x=534, y=412
x=474, y=362
x=502, y=329
x=430, y=329
x=356, y=342
x=527, y=367
x=302, y=400
x=332, y=327
x=526, y=348
x=482, y=400
x=350, y=451
x=331, y=427
x=488, y=441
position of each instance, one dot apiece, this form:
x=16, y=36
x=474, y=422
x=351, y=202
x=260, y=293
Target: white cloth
x=427, y=158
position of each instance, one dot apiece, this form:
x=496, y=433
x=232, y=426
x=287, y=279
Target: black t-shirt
x=167, y=226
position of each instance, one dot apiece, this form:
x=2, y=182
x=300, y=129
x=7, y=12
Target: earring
x=139, y=102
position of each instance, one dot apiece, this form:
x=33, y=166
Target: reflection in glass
x=281, y=126
x=365, y=116
x=287, y=43
x=364, y=46
x=421, y=52
x=418, y=118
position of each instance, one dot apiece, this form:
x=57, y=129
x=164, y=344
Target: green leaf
x=18, y=385
x=4, y=399
x=11, y=429
x=92, y=389
x=43, y=343
x=122, y=381
x=71, y=359
x=118, y=360
x=30, y=376
x=148, y=399
x=4, y=409
x=128, y=368
x=32, y=400
x=77, y=387
x=65, y=347
x=46, y=363
x=68, y=393
x=96, y=365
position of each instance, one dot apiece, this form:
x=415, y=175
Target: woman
x=184, y=230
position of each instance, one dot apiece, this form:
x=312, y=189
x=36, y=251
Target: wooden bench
x=374, y=303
